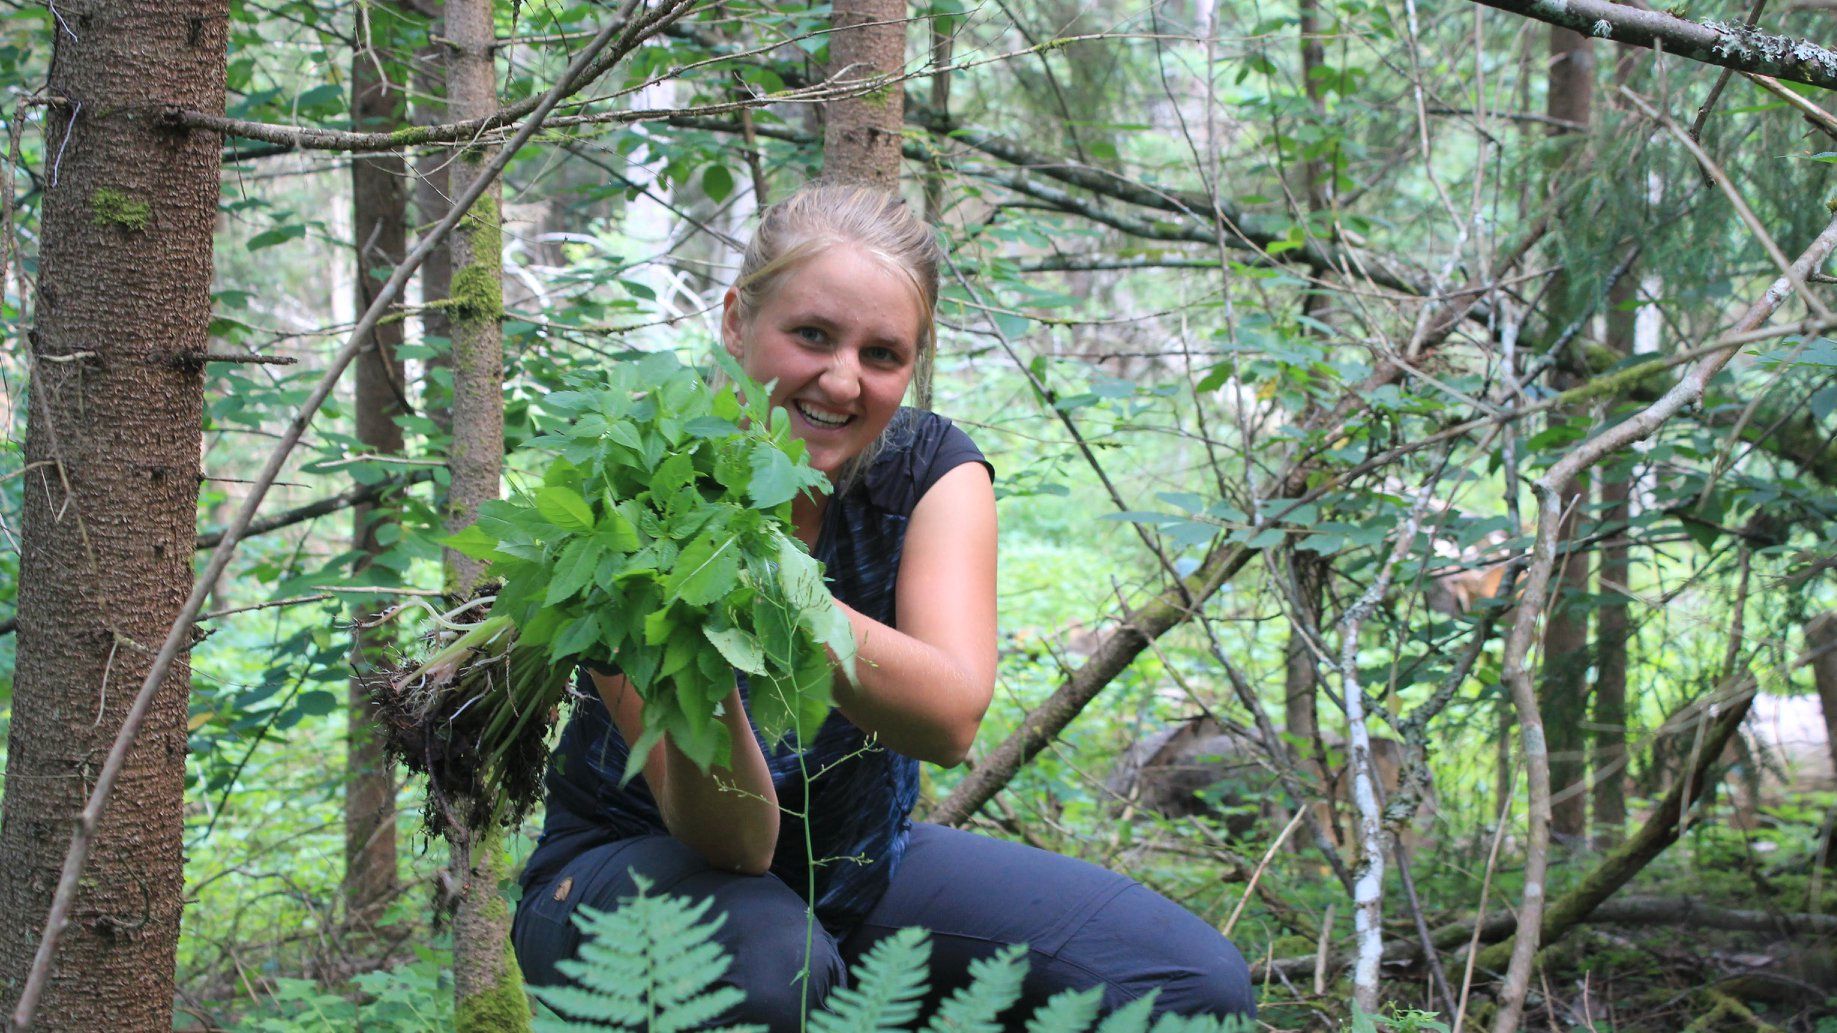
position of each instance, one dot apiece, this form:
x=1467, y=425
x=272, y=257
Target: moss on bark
x=110, y=207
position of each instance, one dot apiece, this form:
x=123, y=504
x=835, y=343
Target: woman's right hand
x=728, y=814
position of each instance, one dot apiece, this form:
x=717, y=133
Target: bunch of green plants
x=659, y=542
x=652, y=966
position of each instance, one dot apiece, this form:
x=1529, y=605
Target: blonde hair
x=822, y=215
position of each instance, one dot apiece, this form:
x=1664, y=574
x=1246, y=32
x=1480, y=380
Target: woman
x=833, y=308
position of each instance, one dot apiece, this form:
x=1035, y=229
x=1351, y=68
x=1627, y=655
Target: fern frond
x=697, y=1012
x=888, y=987
x=1171, y=1023
x=995, y=984
x=1070, y=1011
x=597, y=1005
x=648, y=967
x=1132, y=1017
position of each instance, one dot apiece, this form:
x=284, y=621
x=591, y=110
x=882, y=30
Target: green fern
x=1070, y=1012
x=889, y=987
x=651, y=966
x=995, y=984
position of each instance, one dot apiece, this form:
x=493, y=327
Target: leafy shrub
x=652, y=965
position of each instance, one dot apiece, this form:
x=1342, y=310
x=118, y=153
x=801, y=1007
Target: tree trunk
x=1821, y=638
x=487, y=986
x=1562, y=683
x=112, y=444
x=1611, y=625
x=432, y=194
x=1300, y=718
x=379, y=222
x=861, y=134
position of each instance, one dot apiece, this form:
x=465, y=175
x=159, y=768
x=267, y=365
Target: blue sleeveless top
x=860, y=804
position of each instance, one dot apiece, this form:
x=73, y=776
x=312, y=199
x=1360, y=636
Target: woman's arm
x=734, y=830
x=924, y=686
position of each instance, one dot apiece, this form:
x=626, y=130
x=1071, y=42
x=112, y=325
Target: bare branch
x=1515, y=668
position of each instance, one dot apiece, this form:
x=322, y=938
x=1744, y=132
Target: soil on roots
x=439, y=723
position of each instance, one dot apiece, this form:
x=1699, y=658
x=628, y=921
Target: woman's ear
x=732, y=323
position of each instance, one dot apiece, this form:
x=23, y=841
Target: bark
x=1726, y=44
x=380, y=224
x=1821, y=640
x=1299, y=681
x=1609, y=742
x=116, y=399
x=861, y=135
x=1562, y=685
x=488, y=990
x=432, y=197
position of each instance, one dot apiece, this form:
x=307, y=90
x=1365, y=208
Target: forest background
x=1413, y=422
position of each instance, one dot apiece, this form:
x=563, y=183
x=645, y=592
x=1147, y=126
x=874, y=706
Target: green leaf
x=658, y=626
x=577, y=637
x=573, y=570
x=316, y=703
x=717, y=183
x=706, y=571
x=277, y=235
x=471, y=541
x=563, y=507
x=774, y=480
x=740, y=649
x=616, y=530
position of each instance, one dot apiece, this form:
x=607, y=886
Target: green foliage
x=1397, y=1020
x=409, y=999
x=651, y=966
x=661, y=528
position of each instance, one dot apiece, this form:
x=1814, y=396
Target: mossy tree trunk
x=112, y=460
x=861, y=134
x=379, y=206
x=488, y=989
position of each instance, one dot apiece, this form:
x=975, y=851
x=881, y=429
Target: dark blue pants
x=1084, y=926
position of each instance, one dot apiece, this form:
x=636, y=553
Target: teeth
x=820, y=419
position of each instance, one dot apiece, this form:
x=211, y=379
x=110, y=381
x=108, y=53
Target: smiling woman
x=834, y=308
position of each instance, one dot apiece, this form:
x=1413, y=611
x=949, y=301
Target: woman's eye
x=810, y=334
x=886, y=356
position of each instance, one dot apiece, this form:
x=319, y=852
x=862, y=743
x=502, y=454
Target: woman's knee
x=763, y=932
x=783, y=974
x=1141, y=941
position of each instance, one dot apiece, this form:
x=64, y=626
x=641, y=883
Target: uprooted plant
x=661, y=528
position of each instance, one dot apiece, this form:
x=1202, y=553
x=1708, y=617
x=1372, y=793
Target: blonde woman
x=834, y=308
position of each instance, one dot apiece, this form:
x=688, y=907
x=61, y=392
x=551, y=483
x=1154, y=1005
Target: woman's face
x=840, y=336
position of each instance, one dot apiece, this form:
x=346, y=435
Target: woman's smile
x=838, y=340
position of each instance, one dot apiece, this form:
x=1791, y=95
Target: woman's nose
x=842, y=378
